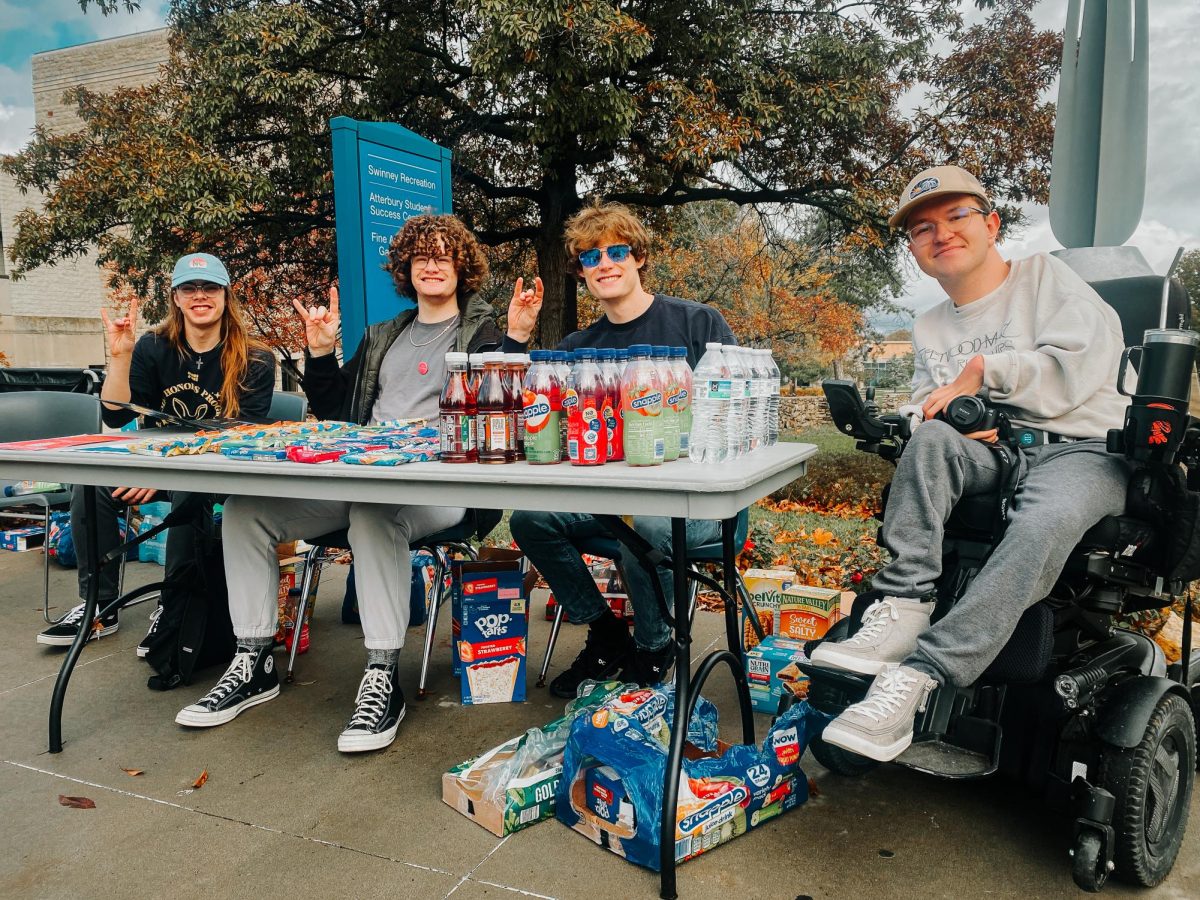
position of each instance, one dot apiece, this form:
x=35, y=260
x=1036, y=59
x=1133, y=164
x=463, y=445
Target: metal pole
x=90, y=602
x=679, y=725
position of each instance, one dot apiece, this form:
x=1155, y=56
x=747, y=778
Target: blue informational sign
x=383, y=174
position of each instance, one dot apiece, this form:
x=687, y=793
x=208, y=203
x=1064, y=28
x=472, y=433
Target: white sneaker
x=144, y=647
x=880, y=726
x=63, y=634
x=888, y=635
x=251, y=679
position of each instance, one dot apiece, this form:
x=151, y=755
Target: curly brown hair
x=434, y=236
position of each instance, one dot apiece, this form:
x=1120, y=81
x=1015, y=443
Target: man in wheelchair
x=1038, y=342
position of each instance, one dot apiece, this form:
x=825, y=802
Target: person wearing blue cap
x=199, y=363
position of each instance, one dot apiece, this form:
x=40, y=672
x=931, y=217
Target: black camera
x=968, y=414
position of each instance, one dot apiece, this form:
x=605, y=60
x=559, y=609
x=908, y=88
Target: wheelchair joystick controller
x=1157, y=418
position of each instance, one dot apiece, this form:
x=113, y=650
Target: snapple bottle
x=642, y=406
x=494, y=415
x=661, y=356
x=587, y=433
x=681, y=400
x=610, y=374
x=543, y=408
x=457, y=413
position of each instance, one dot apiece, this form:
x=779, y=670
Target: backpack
x=194, y=630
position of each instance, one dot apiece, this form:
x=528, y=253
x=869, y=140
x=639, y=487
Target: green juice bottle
x=642, y=408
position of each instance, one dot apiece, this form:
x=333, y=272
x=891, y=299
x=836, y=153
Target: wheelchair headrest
x=1138, y=301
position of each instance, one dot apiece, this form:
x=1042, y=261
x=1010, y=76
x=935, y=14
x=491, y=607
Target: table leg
x=85, y=626
x=679, y=727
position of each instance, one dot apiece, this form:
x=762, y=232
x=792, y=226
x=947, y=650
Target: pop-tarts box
x=21, y=539
x=491, y=625
x=770, y=670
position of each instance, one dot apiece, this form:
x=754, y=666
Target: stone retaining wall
x=798, y=413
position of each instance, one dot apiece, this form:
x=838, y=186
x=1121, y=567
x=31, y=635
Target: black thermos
x=1156, y=419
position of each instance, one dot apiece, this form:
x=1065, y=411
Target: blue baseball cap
x=199, y=267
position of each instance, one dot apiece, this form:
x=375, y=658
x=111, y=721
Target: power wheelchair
x=1086, y=713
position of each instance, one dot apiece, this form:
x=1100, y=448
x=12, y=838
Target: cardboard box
x=771, y=670
x=617, y=602
x=491, y=624
x=765, y=587
x=807, y=612
x=21, y=539
x=524, y=800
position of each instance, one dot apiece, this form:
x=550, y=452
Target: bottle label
x=678, y=399
x=713, y=389
x=457, y=434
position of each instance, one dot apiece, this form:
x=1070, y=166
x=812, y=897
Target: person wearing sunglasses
x=1033, y=336
x=608, y=247
x=200, y=363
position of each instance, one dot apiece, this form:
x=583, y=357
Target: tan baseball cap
x=931, y=183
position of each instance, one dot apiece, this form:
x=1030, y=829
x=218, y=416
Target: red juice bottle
x=494, y=417
x=610, y=374
x=587, y=433
x=457, y=412
x=514, y=364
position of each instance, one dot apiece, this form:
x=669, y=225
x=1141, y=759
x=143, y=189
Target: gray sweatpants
x=380, y=536
x=1063, y=490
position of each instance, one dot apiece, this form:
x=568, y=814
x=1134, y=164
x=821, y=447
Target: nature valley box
x=807, y=612
x=765, y=587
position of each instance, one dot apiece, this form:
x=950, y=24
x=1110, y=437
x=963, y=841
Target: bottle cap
x=585, y=353
x=490, y=359
x=713, y=345
x=541, y=355
x=514, y=359
x=639, y=349
x=459, y=359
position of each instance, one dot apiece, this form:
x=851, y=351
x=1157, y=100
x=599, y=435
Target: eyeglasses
x=191, y=289
x=442, y=262
x=956, y=221
x=618, y=253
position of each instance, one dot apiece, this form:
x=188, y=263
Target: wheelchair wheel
x=1152, y=784
x=839, y=761
x=1087, y=865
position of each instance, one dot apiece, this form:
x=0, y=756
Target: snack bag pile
x=614, y=768
x=387, y=444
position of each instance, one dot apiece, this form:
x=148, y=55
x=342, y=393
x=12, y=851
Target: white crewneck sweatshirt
x=1051, y=349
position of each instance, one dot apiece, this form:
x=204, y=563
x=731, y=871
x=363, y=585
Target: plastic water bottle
x=31, y=487
x=760, y=397
x=711, y=388
x=773, y=406
x=682, y=399
x=739, y=396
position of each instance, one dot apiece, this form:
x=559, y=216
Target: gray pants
x=1064, y=489
x=380, y=536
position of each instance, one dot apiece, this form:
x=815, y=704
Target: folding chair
x=30, y=415
x=609, y=548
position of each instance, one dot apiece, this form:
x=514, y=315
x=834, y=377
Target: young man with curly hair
x=607, y=248
x=397, y=372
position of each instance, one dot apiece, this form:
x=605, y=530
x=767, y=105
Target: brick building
x=51, y=317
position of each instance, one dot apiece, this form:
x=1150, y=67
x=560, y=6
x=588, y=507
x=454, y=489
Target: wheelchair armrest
x=884, y=435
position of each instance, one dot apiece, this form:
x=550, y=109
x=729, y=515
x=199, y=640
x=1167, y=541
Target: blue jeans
x=549, y=540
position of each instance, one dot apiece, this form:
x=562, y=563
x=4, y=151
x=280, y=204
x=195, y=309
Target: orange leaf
x=133, y=771
x=821, y=537
x=76, y=802
x=199, y=782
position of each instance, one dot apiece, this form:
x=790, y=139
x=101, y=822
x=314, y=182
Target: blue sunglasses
x=618, y=253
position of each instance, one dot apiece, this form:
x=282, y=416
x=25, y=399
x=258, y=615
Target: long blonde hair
x=235, y=354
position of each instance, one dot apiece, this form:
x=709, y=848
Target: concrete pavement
x=283, y=813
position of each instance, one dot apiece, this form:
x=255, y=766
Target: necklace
x=422, y=365
x=198, y=356
x=411, y=328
